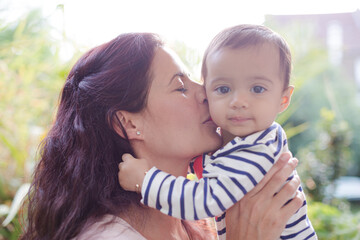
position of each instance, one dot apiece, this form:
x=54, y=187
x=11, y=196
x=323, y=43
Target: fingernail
x=294, y=161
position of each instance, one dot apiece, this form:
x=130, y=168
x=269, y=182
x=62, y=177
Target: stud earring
x=138, y=133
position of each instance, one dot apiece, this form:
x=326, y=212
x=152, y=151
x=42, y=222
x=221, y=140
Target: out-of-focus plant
x=327, y=158
x=325, y=105
x=31, y=76
x=309, y=61
x=333, y=224
x=319, y=84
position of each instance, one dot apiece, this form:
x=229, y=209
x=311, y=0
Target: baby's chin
x=236, y=133
x=239, y=132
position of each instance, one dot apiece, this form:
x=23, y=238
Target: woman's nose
x=239, y=101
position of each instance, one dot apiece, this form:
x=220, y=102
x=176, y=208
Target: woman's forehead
x=166, y=64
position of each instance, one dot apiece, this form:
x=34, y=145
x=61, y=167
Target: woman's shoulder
x=109, y=227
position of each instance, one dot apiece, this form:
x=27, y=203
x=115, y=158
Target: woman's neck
x=174, y=167
x=177, y=166
x=154, y=224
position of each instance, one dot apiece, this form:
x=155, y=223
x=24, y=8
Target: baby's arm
x=225, y=181
x=227, y=176
x=132, y=172
x=175, y=195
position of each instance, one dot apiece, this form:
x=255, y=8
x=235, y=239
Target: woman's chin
x=217, y=143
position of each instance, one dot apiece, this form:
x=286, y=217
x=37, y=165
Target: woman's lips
x=209, y=121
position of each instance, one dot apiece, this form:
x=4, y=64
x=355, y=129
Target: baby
x=246, y=71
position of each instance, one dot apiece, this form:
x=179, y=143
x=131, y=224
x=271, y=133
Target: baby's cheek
x=217, y=117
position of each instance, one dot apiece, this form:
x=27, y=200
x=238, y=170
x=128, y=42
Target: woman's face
x=176, y=121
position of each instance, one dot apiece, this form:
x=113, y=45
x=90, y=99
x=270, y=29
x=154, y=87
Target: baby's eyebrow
x=218, y=79
x=261, y=78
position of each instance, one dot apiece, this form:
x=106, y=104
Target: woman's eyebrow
x=178, y=74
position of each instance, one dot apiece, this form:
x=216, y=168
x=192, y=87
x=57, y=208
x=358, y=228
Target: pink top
x=117, y=229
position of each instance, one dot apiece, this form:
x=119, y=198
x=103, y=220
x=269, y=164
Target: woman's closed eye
x=180, y=85
x=222, y=90
x=258, y=89
x=182, y=89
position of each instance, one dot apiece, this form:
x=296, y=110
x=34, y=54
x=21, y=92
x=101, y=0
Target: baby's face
x=245, y=88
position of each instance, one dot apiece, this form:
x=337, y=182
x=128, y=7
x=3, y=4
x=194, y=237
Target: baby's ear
x=126, y=125
x=286, y=98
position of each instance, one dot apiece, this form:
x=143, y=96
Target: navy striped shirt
x=228, y=175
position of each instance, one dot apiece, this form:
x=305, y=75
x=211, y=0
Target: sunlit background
x=41, y=39
x=194, y=22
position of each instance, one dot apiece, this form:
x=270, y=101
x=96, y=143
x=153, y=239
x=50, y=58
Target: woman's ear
x=286, y=97
x=126, y=124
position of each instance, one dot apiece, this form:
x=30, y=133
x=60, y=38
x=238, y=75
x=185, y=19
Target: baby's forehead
x=254, y=48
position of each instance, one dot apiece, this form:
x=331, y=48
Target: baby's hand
x=132, y=172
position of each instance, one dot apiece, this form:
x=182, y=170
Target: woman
x=132, y=95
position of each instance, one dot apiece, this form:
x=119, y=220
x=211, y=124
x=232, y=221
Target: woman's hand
x=261, y=214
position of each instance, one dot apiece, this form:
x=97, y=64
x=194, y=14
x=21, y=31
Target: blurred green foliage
x=321, y=121
x=31, y=76
x=319, y=85
x=330, y=223
x=325, y=104
x=327, y=157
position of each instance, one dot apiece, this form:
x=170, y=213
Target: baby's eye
x=222, y=90
x=258, y=89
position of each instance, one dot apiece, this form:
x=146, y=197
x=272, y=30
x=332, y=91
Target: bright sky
x=193, y=22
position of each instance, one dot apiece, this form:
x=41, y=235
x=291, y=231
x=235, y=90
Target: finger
x=287, y=191
x=279, y=165
x=289, y=209
x=120, y=165
x=119, y=177
x=278, y=178
x=282, y=161
x=126, y=157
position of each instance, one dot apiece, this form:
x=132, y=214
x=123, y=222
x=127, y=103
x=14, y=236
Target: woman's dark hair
x=76, y=177
x=245, y=35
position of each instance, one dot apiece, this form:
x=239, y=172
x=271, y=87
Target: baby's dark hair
x=245, y=35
